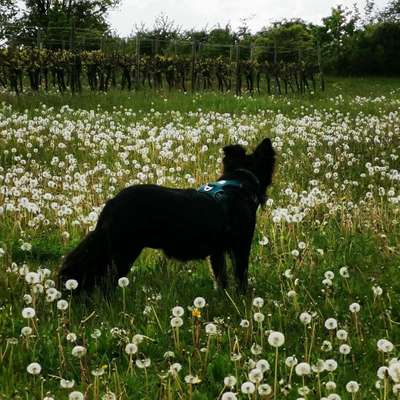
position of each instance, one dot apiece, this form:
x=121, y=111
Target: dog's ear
x=234, y=151
x=264, y=148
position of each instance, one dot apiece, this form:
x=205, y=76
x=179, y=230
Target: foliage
x=326, y=244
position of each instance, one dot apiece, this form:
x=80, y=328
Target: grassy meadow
x=321, y=319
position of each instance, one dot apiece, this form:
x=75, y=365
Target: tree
x=391, y=12
x=8, y=12
x=57, y=19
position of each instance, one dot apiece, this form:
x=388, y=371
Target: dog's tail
x=88, y=262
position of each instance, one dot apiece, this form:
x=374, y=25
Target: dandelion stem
x=276, y=373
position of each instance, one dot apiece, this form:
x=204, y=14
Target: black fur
x=184, y=223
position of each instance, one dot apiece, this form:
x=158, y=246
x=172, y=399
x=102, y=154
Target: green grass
x=342, y=225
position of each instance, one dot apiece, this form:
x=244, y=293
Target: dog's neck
x=250, y=182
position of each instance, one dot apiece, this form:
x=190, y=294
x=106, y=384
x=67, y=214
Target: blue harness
x=216, y=189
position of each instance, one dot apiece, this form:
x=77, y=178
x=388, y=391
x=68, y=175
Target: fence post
x=137, y=61
x=302, y=86
x=194, y=46
x=238, y=71
x=320, y=67
x=39, y=39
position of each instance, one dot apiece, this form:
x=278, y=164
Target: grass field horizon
x=321, y=317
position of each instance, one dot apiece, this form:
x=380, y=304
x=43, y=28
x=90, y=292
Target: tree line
x=352, y=41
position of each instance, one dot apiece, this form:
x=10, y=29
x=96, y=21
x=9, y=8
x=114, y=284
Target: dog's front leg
x=219, y=269
x=240, y=260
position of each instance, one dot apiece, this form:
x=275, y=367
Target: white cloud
x=208, y=13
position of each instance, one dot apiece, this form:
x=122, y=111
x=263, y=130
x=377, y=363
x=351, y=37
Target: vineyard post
x=137, y=61
x=72, y=77
x=194, y=45
x=238, y=72
x=320, y=67
x=302, y=86
x=230, y=66
x=39, y=39
x=275, y=68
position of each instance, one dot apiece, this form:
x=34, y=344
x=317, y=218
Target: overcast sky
x=208, y=13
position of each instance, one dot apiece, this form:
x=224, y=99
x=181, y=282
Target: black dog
x=185, y=223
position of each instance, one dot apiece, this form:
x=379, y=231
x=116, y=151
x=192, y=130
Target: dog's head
x=261, y=163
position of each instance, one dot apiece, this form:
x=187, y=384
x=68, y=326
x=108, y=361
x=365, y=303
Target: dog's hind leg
x=219, y=269
x=123, y=260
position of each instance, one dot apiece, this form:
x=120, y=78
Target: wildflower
x=71, y=284
x=344, y=272
x=27, y=298
x=109, y=396
x=248, y=388
x=244, y=323
x=199, y=302
x=354, y=307
x=344, y=349
x=79, y=351
x=295, y=253
x=230, y=381
x=67, y=384
x=385, y=345
x=264, y=389
x=396, y=389
x=326, y=346
x=75, y=396
x=256, y=375
x=98, y=372
x=330, y=365
x=175, y=368
x=26, y=331
x=211, y=329
x=276, y=339
x=28, y=312
x=352, y=387
x=71, y=337
x=62, y=304
x=382, y=372
x=258, y=302
x=196, y=313
x=303, y=369
x=256, y=349
x=341, y=334
x=96, y=333
x=394, y=371
x=176, y=322
x=331, y=324
x=178, y=311
x=304, y=391
x=291, y=361
x=263, y=365
x=305, y=318
x=34, y=368
x=264, y=241
x=123, y=282
x=377, y=290
x=330, y=386
x=169, y=354
x=131, y=348
x=138, y=338
x=229, y=396
x=319, y=366
x=143, y=363
x=192, y=379
x=259, y=317
x=329, y=275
